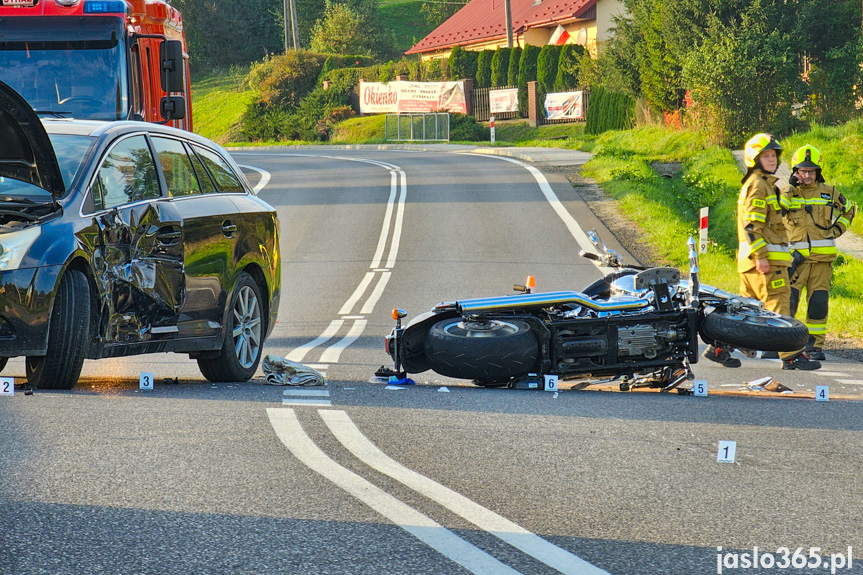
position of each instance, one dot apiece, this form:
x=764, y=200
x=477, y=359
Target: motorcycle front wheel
x=490, y=352
x=755, y=329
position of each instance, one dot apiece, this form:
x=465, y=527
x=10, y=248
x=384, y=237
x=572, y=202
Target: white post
x=491, y=125
x=702, y=247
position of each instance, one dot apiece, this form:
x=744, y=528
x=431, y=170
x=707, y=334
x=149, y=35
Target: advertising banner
x=561, y=105
x=403, y=97
x=501, y=101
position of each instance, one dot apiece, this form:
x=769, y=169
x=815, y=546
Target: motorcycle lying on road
x=636, y=325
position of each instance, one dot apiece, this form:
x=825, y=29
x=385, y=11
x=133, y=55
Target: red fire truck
x=103, y=60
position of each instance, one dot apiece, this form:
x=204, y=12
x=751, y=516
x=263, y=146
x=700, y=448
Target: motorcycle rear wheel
x=756, y=330
x=489, y=352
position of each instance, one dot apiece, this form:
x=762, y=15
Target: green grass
x=218, y=102
x=404, y=20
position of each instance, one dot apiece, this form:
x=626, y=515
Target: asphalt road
x=440, y=477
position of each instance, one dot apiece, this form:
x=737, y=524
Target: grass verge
x=219, y=100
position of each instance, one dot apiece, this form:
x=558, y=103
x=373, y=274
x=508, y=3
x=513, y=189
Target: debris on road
x=281, y=371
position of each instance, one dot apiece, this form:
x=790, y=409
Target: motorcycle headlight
x=14, y=245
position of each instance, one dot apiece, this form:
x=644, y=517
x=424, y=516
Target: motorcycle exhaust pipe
x=694, y=281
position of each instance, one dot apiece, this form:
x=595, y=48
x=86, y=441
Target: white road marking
x=353, y=439
x=570, y=223
x=851, y=381
x=306, y=401
x=306, y=392
x=397, y=231
x=376, y=294
x=358, y=293
x=388, y=215
x=299, y=353
x=332, y=353
x=265, y=178
x=831, y=373
x=444, y=541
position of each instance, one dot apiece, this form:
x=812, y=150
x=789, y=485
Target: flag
x=560, y=36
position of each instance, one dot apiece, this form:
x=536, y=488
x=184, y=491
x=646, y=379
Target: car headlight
x=14, y=245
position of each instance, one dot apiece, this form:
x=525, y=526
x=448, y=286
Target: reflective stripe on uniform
x=823, y=243
x=756, y=217
x=825, y=251
x=816, y=328
x=843, y=221
x=797, y=203
x=774, y=251
x=799, y=246
x=817, y=201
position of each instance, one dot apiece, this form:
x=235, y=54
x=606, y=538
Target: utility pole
x=291, y=17
x=508, y=12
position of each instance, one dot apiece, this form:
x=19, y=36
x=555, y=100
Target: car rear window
x=177, y=167
x=221, y=171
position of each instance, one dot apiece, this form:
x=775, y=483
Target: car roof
x=95, y=129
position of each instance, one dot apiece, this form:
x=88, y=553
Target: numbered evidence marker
x=699, y=388
x=822, y=393
x=146, y=381
x=551, y=383
x=7, y=386
x=727, y=452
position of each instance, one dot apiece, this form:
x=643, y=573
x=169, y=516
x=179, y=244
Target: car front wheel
x=244, y=336
x=68, y=335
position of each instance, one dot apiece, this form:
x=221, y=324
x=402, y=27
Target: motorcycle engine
x=644, y=340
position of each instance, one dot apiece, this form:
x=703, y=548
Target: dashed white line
x=831, y=373
x=397, y=231
x=851, y=381
x=444, y=541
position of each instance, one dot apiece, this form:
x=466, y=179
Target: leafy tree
x=483, y=68
x=526, y=73
x=287, y=78
x=437, y=12
x=500, y=67
x=350, y=29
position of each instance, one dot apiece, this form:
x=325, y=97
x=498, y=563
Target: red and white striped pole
x=702, y=244
x=491, y=125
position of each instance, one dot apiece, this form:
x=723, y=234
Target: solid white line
x=299, y=353
x=307, y=392
x=444, y=541
x=397, y=232
x=358, y=293
x=388, y=215
x=312, y=402
x=851, y=381
x=318, y=366
x=352, y=317
x=332, y=353
x=265, y=178
x=831, y=373
x=570, y=223
x=376, y=294
x=352, y=438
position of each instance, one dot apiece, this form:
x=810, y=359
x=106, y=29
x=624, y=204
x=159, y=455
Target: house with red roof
x=481, y=25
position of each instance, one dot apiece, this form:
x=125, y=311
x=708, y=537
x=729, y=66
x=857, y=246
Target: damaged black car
x=124, y=238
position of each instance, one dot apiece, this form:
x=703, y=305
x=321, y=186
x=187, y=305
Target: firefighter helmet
x=806, y=157
x=757, y=144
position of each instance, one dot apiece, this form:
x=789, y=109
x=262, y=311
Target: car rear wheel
x=68, y=335
x=244, y=336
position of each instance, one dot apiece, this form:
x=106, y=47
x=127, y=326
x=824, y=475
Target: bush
x=459, y=63
x=609, y=111
x=500, y=67
x=286, y=79
x=464, y=128
x=483, y=68
x=526, y=73
x=337, y=62
x=546, y=67
x=512, y=69
x=567, y=68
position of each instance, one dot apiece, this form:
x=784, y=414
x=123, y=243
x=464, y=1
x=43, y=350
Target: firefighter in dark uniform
x=763, y=255
x=817, y=216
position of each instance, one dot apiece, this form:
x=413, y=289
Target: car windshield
x=70, y=151
x=68, y=67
